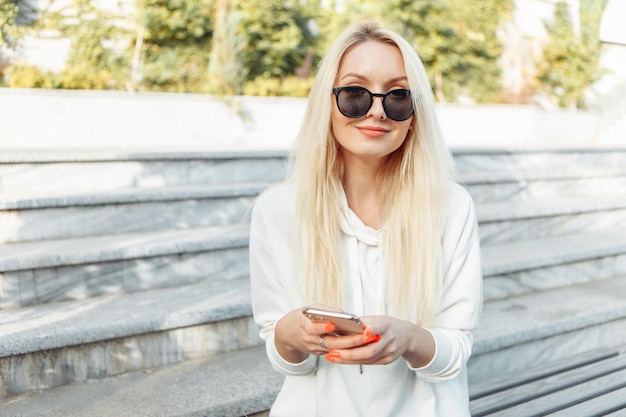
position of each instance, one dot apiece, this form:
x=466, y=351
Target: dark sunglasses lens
x=398, y=105
x=354, y=101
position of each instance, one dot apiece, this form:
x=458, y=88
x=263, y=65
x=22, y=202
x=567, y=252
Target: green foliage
x=277, y=39
x=178, y=69
x=271, y=47
x=177, y=44
x=98, y=57
x=171, y=22
x=271, y=86
x=226, y=70
x=456, y=40
x=9, y=32
x=28, y=76
x=8, y=27
x=570, y=60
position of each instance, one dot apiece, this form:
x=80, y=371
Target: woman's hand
x=385, y=340
x=296, y=336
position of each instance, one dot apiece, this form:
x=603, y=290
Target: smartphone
x=345, y=323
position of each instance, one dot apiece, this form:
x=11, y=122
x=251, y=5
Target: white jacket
x=320, y=388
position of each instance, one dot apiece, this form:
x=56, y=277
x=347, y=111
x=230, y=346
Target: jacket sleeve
x=461, y=301
x=274, y=289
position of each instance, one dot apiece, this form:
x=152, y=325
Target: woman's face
x=379, y=68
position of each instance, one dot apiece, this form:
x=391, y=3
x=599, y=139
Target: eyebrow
x=362, y=77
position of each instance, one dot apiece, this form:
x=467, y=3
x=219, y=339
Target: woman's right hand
x=296, y=337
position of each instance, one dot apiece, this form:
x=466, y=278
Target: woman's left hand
x=385, y=339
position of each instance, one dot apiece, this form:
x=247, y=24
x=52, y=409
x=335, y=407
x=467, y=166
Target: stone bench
x=590, y=384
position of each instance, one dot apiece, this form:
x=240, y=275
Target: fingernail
x=330, y=327
x=368, y=332
x=372, y=339
x=333, y=355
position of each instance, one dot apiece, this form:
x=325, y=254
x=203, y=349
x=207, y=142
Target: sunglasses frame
x=338, y=90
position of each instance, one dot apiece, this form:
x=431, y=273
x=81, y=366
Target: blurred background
x=135, y=135
x=542, y=52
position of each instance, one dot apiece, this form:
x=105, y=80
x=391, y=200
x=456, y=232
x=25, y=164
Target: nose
x=377, y=110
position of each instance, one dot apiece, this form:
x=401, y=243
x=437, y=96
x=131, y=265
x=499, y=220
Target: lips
x=372, y=131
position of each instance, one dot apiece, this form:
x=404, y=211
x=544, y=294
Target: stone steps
x=38, y=217
x=105, y=336
x=531, y=266
x=58, y=270
x=544, y=326
x=513, y=161
x=518, y=173
x=125, y=273
x=532, y=185
x=45, y=218
x=235, y=384
x=98, y=170
x=128, y=211
x=152, y=327
x=506, y=221
x=557, y=324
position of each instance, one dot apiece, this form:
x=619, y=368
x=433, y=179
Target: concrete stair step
x=537, y=328
x=539, y=159
x=73, y=336
x=41, y=272
x=33, y=216
x=62, y=343
x=529, y=266
x=519, y=173
x=234, y=384
x=532, y=185
x=97, y=170
x=553, y=324
x=507, y=221
x=57, y=270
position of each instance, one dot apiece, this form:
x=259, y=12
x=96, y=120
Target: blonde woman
x=369, y=223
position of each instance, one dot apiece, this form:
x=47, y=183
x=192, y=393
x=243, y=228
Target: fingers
x=370, y=336
x=370, y=354
x=365, y=348
x=318, y=345
x=339, y=342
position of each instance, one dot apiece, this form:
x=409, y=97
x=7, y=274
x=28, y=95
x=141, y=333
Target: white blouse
x=320, y=388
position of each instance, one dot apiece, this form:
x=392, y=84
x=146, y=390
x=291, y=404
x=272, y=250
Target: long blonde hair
x=414, y=183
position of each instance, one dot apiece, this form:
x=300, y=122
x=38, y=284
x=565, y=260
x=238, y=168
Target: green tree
x=15, y=19
x=99, y=41
x=277, y=38
x=8, y=32
x=456, y=40
x=176, y=44
x=226, y=71
x=570, y=59
x=8, y=25
x=283, y=43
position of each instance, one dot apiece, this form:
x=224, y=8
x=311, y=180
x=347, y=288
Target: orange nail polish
x=333, y=354
x=368, y=332
x=372, y=339
x=330, y=327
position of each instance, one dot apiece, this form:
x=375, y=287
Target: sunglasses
x=355, y=102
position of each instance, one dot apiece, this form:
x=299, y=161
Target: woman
x=369, y=223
